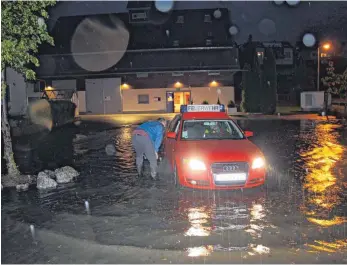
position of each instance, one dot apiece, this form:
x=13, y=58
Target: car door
x=174, y=142
x=168, y=143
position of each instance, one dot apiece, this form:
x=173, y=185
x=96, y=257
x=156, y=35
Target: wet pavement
x=110, y=216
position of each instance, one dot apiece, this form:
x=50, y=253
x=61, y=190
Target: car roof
x=205, y=115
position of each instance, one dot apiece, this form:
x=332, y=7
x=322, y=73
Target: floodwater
x=110, y=216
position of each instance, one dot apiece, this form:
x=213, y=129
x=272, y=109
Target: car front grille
x=232, y=168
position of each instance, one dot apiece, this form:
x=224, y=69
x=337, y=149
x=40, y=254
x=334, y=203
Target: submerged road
x=299, y=216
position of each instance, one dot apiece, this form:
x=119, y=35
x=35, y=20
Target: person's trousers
x=143, y=147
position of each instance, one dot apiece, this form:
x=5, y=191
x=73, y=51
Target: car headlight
x=258, y=163
x=195, y=164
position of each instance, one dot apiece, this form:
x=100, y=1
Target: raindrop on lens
x=110, y=149
x=32, y=231
x=279, y=2
x=86, y=204
x=233, y=30
x=164, y=6
x=293, y=2
x=309, y=40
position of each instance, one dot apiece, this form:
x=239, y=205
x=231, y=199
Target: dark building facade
x=192, y=48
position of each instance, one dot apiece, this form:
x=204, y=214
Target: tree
x=335, y=84
x=250, y=89
x=23, y=30
x=269, y=83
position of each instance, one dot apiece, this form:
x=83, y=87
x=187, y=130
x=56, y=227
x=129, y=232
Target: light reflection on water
x=221, y=215
x=324, y=185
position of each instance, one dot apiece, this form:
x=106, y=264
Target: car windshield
x=210, y=129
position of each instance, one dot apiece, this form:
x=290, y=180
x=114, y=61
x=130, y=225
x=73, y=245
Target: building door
x=112, y=95
x=169, y=102
x=94, y=96
x=181, y=98
x=103, y=96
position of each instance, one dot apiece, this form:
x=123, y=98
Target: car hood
x=219, y=150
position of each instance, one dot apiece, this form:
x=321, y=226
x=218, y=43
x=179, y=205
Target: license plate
x=231, y=177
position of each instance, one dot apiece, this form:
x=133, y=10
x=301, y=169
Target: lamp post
x=325, y=46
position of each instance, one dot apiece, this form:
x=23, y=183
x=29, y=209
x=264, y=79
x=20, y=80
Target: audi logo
x=230, y=168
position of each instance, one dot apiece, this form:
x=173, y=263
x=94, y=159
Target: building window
x=176, y=43
x=207, y=18
x=287, y=55
x=208, y=42
x=260, y=55
x=143, y=99
x=180, y=20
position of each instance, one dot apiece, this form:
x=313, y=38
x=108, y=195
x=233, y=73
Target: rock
x=65, y=174
x=50, y=174
x=22, y=187
x=45, y=182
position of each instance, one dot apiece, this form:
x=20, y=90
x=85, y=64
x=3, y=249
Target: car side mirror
x=171, y=135
x=248, y=133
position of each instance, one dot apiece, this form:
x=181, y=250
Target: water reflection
x=330, y=247
x=224, y=221
x=324, y=182
x=198, y=217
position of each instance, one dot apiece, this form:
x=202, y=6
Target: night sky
x=266, y=21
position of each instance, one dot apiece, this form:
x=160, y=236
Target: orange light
x=214, y=83
x=326, y=46
x=178, y=84
x=125, y=86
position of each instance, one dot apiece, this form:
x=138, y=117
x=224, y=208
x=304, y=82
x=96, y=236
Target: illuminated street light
x=326, y=46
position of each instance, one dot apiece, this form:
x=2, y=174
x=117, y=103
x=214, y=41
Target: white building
x=111, y=95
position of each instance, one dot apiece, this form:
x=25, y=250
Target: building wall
x=17, y=93
x=64, y=84
x=103, y=96
x=81, y=101
x=288, y=54
x=198, y=95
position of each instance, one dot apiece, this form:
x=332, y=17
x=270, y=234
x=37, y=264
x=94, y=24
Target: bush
x=250, y=90
x=205, y=102
x=231, y=104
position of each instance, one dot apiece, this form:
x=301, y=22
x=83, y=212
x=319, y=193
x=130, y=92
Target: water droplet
x=309, y=40
x=86, y=204
x=233, y=30
x=278, y=2
x=110, y=149
x=293, y=2
x=164, y=6
x=32, y=231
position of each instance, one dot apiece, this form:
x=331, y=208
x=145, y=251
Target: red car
x=206, y=149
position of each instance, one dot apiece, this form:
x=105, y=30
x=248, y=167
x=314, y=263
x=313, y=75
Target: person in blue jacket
x=146, y=140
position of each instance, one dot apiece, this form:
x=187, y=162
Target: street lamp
x=325, y=46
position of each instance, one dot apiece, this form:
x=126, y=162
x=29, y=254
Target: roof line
x=144, y=50
x=134, y=73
